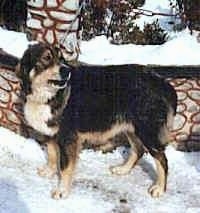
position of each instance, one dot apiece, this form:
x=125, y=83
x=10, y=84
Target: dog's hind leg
x=136, y=152
x=159, y=187
x=51, y=168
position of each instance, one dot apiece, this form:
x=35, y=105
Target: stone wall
x=55, y=22
x=11, y=115
x=187, y=120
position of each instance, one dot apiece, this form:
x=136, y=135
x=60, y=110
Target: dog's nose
x=65, y=72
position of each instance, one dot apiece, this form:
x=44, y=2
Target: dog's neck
x=42, y=111
x=40, y=97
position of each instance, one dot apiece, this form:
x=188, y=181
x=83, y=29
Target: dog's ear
x=22, y=74
x=58, y=53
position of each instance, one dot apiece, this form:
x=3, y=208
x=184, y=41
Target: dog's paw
x=46, y=171
x=119, y=170
x=156, y=191
x=60, y=193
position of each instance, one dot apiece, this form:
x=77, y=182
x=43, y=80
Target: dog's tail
x=165, y=134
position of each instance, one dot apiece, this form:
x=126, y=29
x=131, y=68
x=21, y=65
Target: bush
x=93, y=20
x=120, y=27
x=154, y=34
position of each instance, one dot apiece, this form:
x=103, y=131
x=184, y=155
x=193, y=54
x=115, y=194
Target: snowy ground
x=94, y=188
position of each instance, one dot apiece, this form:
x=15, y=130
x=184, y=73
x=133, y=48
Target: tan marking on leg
x=50, y=169
x=133, y=157
x=126, y=167
x=159, y=187
x=63, y=188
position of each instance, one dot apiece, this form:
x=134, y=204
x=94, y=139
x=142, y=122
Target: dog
x=13, y=14
x=100, y=107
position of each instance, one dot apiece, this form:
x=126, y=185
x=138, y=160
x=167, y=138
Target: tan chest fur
x=37, y=116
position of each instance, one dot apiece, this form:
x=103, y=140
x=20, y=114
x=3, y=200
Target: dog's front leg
x=157, y=189
x=50, y=169
x=68, y=159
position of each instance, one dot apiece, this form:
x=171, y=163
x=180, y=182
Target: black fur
x=7, y=59
x=13, y=14
x=101, y=96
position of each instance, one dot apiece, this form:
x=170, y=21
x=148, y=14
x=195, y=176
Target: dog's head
x=41, y=72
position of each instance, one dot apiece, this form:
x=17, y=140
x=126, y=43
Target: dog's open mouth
x=59, y=84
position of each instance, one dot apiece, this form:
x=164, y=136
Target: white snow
x=13, y=42
x=94, y=188
x=157, y=6
x=181, y=49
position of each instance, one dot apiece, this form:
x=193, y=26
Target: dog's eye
x=48, y=57
x=45, y=61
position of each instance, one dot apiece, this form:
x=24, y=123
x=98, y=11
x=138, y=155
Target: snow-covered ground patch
x=94, y=188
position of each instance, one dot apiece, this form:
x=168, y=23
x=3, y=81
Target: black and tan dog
x=97, y=106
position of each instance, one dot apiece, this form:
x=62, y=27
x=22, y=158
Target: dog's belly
x=37, y=116
x=102, y=137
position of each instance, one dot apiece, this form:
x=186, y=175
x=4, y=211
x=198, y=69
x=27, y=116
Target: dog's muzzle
x=65, y=75
x=59, y=84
